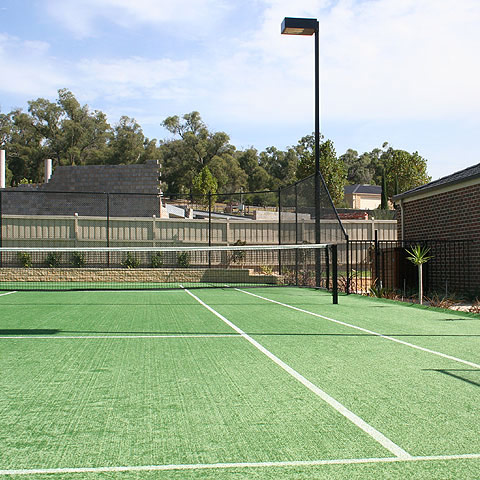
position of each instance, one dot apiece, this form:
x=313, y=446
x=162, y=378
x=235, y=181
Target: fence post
x=377, y=255
x=75, y=229
x=108, y=228
x=296, y=234
x=1, y=227
x=209, y=228
x=347, y=283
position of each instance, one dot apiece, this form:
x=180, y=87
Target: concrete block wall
x=139, y=181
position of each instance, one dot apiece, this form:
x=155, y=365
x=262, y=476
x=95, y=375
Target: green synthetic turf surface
x=80, y=402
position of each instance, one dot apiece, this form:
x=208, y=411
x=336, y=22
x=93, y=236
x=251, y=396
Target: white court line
x=206, y=466
x=8, y=293
x=63, y=337
x=386, y=337
x=355, y=419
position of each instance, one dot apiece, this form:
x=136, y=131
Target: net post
x=279, y=230
x=327, y=265
x=334, y=274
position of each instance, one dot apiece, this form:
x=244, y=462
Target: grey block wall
x=133, y=191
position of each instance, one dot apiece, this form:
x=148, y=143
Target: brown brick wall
x=452, y=215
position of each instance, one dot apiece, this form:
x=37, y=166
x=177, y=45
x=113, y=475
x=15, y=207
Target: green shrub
x=183, y=259
x=78, y=259
x=52, y=260
x=157, y=260
x=130, y=261
x=238, y=255
x=25, y=259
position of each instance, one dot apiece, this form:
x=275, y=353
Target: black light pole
x=310, y=26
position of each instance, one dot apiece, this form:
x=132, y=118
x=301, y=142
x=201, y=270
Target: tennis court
x=249, y=383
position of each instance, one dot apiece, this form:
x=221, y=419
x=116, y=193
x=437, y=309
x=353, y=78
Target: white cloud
x=380, y=59
x=187, y=17
x=401, y=58
x=132, y=77
x=27, y=67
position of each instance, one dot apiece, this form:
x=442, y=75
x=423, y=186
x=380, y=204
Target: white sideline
x=8, y=293
x=205, y=466
x=386, y=337
x=355, y=419
x=65, y=337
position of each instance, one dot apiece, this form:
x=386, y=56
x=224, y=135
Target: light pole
x=309, y=26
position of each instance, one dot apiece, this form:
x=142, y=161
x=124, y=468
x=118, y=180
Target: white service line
x=238, y=465
x=8, y=293
x=375, y=434
x=386, y=337
x=69, y=337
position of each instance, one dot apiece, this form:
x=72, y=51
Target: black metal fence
x=384, y=265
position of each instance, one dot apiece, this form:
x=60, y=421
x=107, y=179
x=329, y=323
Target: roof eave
x=425, y=189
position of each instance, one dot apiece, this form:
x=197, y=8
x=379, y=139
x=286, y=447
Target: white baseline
x=238, y=465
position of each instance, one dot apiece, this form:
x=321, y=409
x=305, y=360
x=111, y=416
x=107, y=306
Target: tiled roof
x=358, y=188
x=457, y=177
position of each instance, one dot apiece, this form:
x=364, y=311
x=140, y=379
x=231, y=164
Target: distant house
x=448, y=210
x=365, y=197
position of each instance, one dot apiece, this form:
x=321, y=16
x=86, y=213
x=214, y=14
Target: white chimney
x=48, y=169
x=3, y=167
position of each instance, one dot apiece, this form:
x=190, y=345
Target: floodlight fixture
x=299, y=26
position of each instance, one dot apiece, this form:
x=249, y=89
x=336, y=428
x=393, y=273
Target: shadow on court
x=29, y=331
x=463, y=377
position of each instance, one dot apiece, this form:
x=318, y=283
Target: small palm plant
x=419, y=256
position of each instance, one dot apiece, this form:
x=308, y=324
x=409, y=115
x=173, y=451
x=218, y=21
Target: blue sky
x=402, y=71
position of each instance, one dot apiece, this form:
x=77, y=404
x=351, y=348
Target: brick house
x=447, y=209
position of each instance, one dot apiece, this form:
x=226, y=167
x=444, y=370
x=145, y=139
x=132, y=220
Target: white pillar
x=48, y=169
x=3, y=167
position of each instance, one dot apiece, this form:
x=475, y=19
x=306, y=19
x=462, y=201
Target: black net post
x=279, y=230
x=327, y=265
x=335, y=274
x=377, y=261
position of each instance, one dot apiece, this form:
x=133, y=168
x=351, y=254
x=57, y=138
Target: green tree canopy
x=332, y=168
x=204, y=184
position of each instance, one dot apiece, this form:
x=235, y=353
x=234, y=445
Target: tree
x=230, y=177
x=204, y=185
x=332, y=169
x=359, y=169
x=127, y=142
x=281, y=166
x=185, y=157
x=83, y=137
x=403, y=170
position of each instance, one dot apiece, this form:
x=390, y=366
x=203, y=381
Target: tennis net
x=117, y=268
